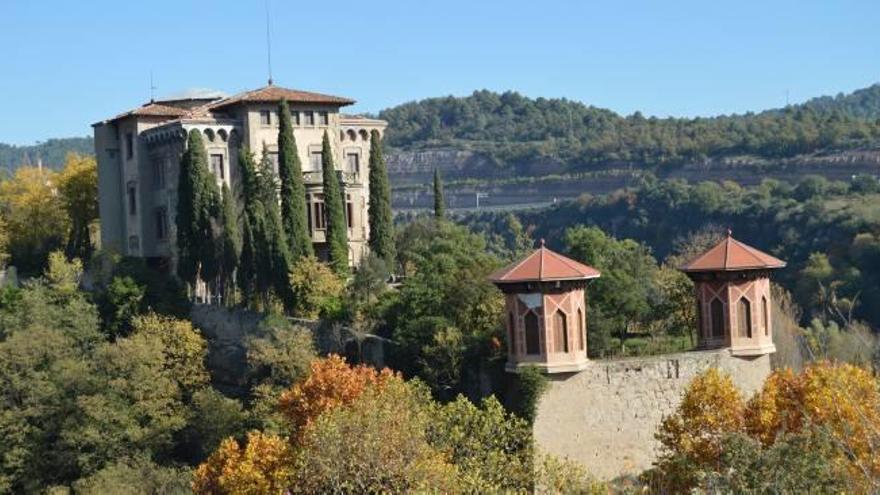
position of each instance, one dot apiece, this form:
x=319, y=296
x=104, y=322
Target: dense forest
x=52, y=152
x=513, y=129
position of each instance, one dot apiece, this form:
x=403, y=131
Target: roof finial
x=729, y=232
x=542, y=242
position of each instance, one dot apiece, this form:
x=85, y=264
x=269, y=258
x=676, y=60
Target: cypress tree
x=209, y=222
x=337, y=230
x=275, y=265
x=379, y=210
x=247, y=268
x=293, y=190
x=439, y=201
x=230, y=242
x=187, y=226
x=252, y=278
x=197, y=211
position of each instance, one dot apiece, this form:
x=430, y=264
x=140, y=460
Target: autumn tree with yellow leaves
x=78, y=187
x=35, y=218
x=44, y=211
x=829, y=414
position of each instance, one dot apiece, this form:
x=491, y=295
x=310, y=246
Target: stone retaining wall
x=605, y=417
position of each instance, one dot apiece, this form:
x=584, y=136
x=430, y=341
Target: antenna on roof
x=152, y=88
x=268, y=43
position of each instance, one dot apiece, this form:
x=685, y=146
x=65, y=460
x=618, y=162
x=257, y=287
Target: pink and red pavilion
x=546, y=311
x=732, y=283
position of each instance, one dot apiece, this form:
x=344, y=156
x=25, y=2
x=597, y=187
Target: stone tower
x=546, y=311
x=732, y=282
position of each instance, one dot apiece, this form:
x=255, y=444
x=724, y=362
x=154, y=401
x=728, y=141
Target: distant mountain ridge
x=50, y=152
x=517, y=132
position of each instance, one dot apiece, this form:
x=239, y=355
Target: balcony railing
x=317, y=177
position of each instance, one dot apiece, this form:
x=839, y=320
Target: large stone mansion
x=139, y=153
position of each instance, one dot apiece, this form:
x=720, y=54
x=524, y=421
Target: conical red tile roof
x=544, y=265
x=730, y=255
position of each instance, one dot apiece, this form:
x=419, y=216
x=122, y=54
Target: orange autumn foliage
x=264, y=465
x=840, y=400
x=331, y=383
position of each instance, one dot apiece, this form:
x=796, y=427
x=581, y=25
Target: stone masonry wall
x=605, y=416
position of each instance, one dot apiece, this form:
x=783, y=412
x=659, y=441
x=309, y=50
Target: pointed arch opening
x=765, y=316
x=716, y=310
x=744, y=317
x=532, y=340
x=511, y=326
x=560, y=331
x=582, y=335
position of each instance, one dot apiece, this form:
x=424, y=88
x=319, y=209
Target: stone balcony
x=316, y=177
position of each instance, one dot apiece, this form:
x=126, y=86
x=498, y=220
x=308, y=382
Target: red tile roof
x=272, y=94
x=544, y=265
x=730, y=255
x=153, y=110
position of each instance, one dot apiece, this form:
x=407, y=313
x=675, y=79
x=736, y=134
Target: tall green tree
x=276, y=265
x=256, y=258
x=379, y=212
x=293, y=190
x=439, y=201
x=230, y=242
x=197, y=211
x=337, y=229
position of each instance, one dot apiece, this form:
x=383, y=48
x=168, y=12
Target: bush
x=317, y=290
x=531, y=384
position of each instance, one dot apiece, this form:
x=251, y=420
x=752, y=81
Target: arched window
x=765, y=316
x=744, y=317
x=352, y=136
x=511, y=325
x=701, y=329
x=717, y=311
x=581, y=333
x=560, y=332
x=532, y=343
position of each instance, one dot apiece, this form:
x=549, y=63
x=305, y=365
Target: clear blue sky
x=68, y=64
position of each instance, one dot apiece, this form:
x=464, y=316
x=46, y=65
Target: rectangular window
x=159, y=174
x=315, y=159
x=265, y=117
x=273, y=158
x=129, y=145
x=294, y=117
x=354, y=162
x=320, y=221
x=161, y=224
x=323, y=118
x=349, y=211
x=132, y=199
x=309, y=118
x=309, y=210
x=134, y=243
x=217, y=165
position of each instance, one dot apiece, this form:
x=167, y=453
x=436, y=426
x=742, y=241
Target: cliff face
x=416, y=167
x=469, y=174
